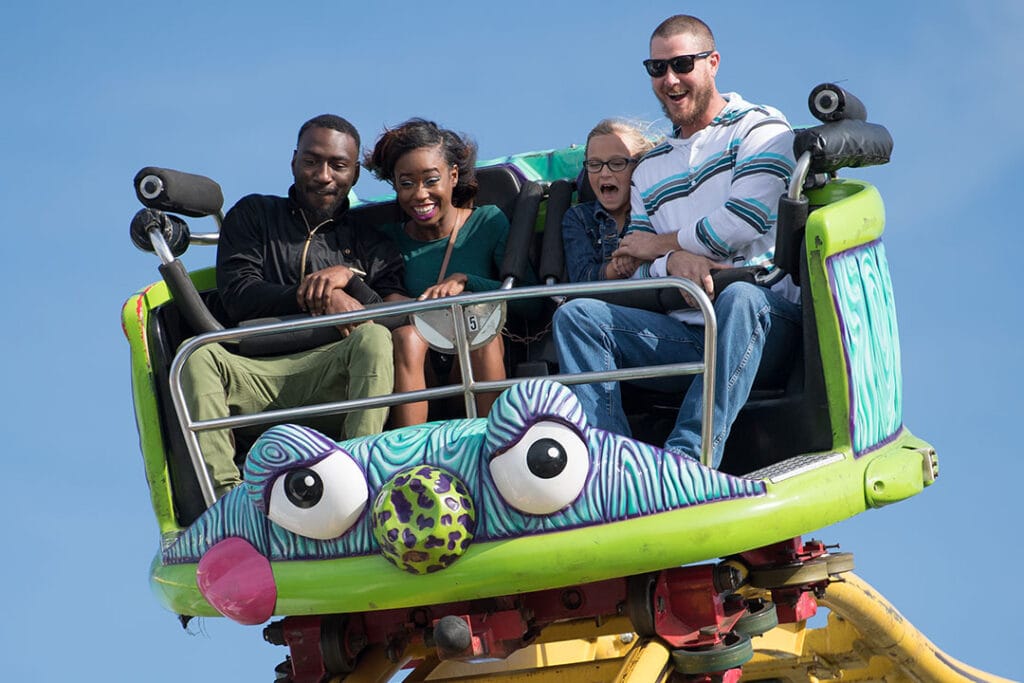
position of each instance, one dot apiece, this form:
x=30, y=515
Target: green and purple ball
x=423, y=519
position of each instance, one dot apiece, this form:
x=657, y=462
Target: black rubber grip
x=184, y=292
x=178, y=192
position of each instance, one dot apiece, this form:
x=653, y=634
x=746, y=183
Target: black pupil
x=546, y=458
x=303, y=487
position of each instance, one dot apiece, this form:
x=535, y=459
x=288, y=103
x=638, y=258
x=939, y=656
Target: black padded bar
x=185, y=193
x=552, y=257
x=789, y=235
x=671, y=298
x=517, y=249
x=291, y=341
x=844, y=144
x=184, y=292
x=829, y=102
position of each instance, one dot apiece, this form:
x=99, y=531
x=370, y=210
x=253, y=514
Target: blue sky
x=94, y=91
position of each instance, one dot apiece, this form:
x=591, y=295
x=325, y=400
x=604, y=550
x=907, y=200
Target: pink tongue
x=238, y=581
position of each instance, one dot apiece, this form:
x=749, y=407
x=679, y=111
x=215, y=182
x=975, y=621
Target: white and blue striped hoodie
x=718, y=190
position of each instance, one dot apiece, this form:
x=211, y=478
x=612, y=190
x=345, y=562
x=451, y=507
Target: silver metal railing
x=469, y=386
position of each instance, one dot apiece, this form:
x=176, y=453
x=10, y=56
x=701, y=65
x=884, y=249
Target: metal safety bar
x=468, y=387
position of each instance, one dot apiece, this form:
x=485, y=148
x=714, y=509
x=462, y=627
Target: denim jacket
x=589, y=236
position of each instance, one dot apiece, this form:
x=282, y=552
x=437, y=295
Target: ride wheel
x=761, y=617
x=796, y=574
x=734, y=651
x=839, y=563
x=640, y=603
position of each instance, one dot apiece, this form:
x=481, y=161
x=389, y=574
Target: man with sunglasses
x=704, y=200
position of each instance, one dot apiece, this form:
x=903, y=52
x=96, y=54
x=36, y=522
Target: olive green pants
x=218, y=383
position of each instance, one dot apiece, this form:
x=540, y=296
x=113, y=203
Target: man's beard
x=700, y=99
x=318, y=214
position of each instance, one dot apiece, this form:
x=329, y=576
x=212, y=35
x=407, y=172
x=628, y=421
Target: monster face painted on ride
x=425, y=496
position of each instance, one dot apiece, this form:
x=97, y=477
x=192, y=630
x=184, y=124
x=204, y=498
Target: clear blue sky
x=92, y=92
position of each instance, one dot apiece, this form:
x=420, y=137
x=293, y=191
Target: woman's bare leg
x=488, y=364
x=410, y=357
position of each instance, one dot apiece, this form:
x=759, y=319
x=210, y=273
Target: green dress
x=478, y=252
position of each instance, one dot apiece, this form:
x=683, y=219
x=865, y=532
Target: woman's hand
x=450, y=286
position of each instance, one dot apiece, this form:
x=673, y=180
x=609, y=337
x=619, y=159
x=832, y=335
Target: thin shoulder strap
x=448, y=250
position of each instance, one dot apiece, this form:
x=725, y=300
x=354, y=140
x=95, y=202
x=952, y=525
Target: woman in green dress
x=449, y=247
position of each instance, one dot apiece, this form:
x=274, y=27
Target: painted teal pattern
x=626, y=479
x=863, y=297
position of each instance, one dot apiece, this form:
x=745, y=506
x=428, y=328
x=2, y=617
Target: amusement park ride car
x=530, y=544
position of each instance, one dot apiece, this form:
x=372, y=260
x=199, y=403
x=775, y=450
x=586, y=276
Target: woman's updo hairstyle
x=457, y=149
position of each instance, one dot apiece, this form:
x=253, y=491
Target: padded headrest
x=499, y=185
x=847, y=143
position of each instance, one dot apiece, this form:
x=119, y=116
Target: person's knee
x=371, y=340
x=371, y=335
x=575, y=317
x=202, y=370
x=408, y=343
x=741, y=299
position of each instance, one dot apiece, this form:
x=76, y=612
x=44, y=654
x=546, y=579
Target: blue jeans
x=757, y=331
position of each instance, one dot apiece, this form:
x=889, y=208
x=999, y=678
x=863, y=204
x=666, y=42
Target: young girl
x=591, y=230
x=448, y=247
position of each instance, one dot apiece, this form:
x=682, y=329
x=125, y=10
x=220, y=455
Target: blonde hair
x=637, y=136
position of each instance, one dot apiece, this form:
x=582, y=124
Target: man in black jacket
x=279, y=256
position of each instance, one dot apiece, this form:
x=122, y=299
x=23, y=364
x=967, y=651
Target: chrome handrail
x=468, y=387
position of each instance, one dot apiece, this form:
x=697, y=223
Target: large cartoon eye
x=322, y=501
x=544, y=471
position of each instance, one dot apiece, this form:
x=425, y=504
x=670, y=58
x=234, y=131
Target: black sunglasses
x=683, y=64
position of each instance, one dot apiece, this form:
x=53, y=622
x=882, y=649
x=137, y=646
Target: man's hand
x=696, y=268
x=646, y=246
x=450, y=286
x=315, y=291
x=340, y=302
x=621, y=267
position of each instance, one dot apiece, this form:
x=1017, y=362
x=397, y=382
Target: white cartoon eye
x=544, y=471
x=322, y=501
